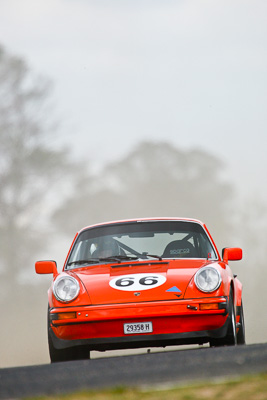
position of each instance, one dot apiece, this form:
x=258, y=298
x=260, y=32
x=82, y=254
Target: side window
x=205, y=247
x=76, y=253
x=83, y=250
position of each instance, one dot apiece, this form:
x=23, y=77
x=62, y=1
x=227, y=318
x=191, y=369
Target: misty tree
x=155, y=179
x=28, y=164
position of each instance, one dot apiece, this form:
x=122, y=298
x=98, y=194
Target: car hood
x=138, y=281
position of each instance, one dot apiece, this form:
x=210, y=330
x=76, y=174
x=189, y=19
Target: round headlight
x=66, y=288
x=208, y=279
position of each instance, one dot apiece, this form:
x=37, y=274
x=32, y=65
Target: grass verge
x=251, y=387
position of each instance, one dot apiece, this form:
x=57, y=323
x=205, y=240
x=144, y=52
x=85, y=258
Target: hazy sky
x=192, y=72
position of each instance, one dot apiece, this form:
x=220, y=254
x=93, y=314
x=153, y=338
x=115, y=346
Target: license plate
x=138, y=327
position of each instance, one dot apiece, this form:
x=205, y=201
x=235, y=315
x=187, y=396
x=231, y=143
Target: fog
x=190, y=72
x=124, y=110
x=156, y=179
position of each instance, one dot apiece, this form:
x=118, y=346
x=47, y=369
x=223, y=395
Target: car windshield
x=141, y=240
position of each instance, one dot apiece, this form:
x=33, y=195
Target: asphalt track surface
x=166, y=368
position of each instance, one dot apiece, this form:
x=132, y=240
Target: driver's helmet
x=106, y=247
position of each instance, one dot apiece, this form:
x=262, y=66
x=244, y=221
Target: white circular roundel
x=137, y=282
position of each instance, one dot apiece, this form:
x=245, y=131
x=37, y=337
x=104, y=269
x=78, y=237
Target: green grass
x=251, y=387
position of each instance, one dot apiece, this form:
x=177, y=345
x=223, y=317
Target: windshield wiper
x=90, y=261
x=118, y=258
x=152, y=255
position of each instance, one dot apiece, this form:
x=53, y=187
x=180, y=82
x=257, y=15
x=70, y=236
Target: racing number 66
x=137, y=282
x=128, y=281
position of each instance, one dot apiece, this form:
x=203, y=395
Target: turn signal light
x=209, y=306
x=66, y=315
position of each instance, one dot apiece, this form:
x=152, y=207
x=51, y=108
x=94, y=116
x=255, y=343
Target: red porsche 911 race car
x=142, y=283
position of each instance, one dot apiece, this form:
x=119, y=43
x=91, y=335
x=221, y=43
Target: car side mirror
x=46, y=267
x=231, y=254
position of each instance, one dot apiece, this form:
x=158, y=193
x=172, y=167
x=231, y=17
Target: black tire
x=230, y=338
x=68, y=354
x=241, y=337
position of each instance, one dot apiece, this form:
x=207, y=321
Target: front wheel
x=230, y=338
x=69, y=354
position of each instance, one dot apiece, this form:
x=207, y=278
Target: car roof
x=142, y=220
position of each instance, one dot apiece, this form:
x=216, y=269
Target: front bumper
x=174, y=322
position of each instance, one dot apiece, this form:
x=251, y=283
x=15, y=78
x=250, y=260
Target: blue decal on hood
x=174, y=289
